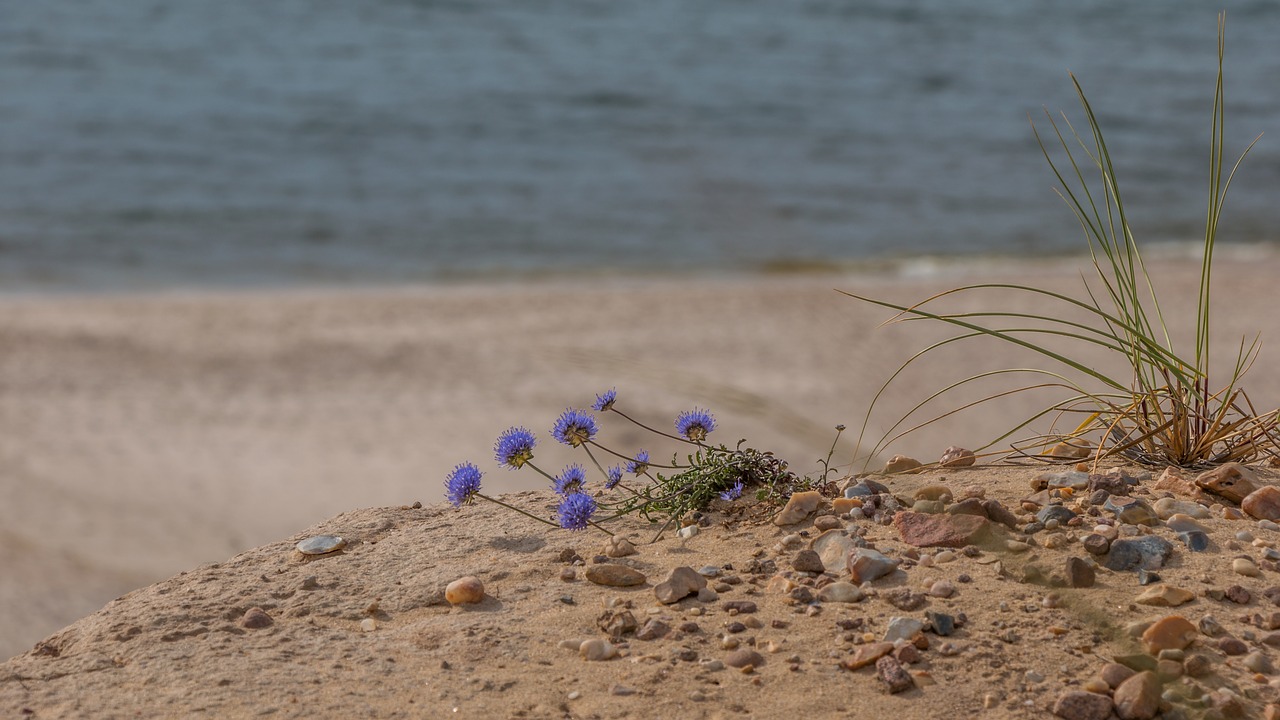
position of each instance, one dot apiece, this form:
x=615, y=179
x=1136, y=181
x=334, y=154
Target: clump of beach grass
x=1166, y=411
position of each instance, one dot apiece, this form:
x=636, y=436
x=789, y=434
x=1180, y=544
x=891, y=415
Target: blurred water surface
x=154, y=143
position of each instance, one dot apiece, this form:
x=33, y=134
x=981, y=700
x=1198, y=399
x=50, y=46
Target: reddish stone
x=1263, y=503
x=954, y=531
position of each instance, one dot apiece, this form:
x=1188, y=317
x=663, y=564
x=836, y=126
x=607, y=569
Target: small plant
x=1166, y=411
x=658, y=492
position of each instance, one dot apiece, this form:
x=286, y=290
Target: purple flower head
x=463, y=484
x=615, y=477
x=514, y=447
x=733, y=493
x=640, y=465
x=574, y=427
x=576, y=510
x=695, y=424
x=606, y=400
x=571, y=480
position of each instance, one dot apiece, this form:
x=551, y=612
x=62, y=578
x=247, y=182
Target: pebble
x=891, y=672
x=1112, y=674
x=1080, y=573
x=865, y=565
x=1231, y=480
x=613, y=575
x=596, y=650
x=1138, y=698
x=942, y=589
x=744, y=657
x=1096, y=544
x=798, y=507
x=1197, y=666
x=687, y=531
x=1072, y=705
x=368, y=624
x=1148, y=552
x=945, y=556
x=1165, y=596
x=1195, y=541
x=707, y=595
x=321, y=545
x=1168, y=507
x=256, y=618
x=901, y=464
x=1232, y=646
x=1245, y=567
x=807, y=561
x=841, y=592
x=827, y=522
x=681, y=583
x=956, y=456
x=464, y=591
x=942, y=624
x=1172, y=631
x=902, y=628
x=619, y=546
x=867, y=654
x=1258, y=662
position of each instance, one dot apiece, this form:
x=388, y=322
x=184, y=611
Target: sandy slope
x=180, y=648
x=143, y=435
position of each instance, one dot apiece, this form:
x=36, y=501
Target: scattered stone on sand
x=1081, y=705
x=1095, y=544
x=1243, y=566
x=807, y=561
x=681, y=583
x=998, y=513
x=833, y=548
x=840, y=592
x=902, y=464
x=597, y=649
x=321, y=545
x=938, y=493
x=1138, y=698
x=891, y=672
x=1263, y=503
x=844, y=505
x=942, y=589
x=1232, y=646
x=618, y=546
x=952, y=531
x=616, y=623
x=744, y=657
x=956, y=456
x=1112, y=674
x=464, y=591
x=1165, y=596
x=1168, y=507
x=902, y=628
x=799, y=506
x=256, y=618
x=1073, y=479
x=613, y=575
x=904, y=599
x=827, y=522
x=1195, y=541
x=867, y=654
x=739, y=607
x=1149, y=553
x=1080, y=573
x=653, y=629
x=941, y=624
x=1232, y=481
x=866, y=564
x=1170, y=632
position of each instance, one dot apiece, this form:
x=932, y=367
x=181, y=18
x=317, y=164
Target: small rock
x=942, y=589
x=1232, y=646
x=1055, y=512
x=901, y=464
x=954, y=531
x=1072, y=449
x=1114, y=673
x=827, y=522
x=956, y=456
x=1241, y=566
x=1079, y=705
x=619, y=546
x=1232, y=481
x=744, y=657
x=891, y=672
x=998, y=513
x=597, y=650
x=1165, y=596
x=1095, y=544
x=1138, y=698
x=255, y=618
x=1197, y=666
x=1168, y=507
x=464, y=591
x=687, y=531
x=1170, y=632
x=902, y=628
x=653, y=629
x=321, y=545
x=807, y=561
x=612, y=575
x=866, y=564
x=368, y=625
x=866, y=655
x=1240, y=596
x=1080, y=574
x=942, y=624
x=683, y=582
x=939, y=493
x=1149, y=552
x=1195, y=541
x=1258, y=663
x=738, y=607
x=841, y=592
x=799, y=506
x=707, y=595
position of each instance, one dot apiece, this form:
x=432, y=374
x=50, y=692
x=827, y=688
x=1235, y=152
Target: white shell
x=321, y=544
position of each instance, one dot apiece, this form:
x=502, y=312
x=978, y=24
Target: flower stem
x=522, y=512
x=631, y=459
x=654, y=430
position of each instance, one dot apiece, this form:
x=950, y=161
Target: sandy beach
x=142, y=435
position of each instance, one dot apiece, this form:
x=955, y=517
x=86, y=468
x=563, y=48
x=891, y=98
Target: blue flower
x=615, y=477
x=463, y=484
x=695, y=424
x=576, y=510
x=732, y=493
x=574, y=427
x=571, y=480
x=514, y=447
x=640, y=465
x=606, y=400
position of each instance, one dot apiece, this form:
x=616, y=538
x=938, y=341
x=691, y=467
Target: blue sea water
x=154, y=143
